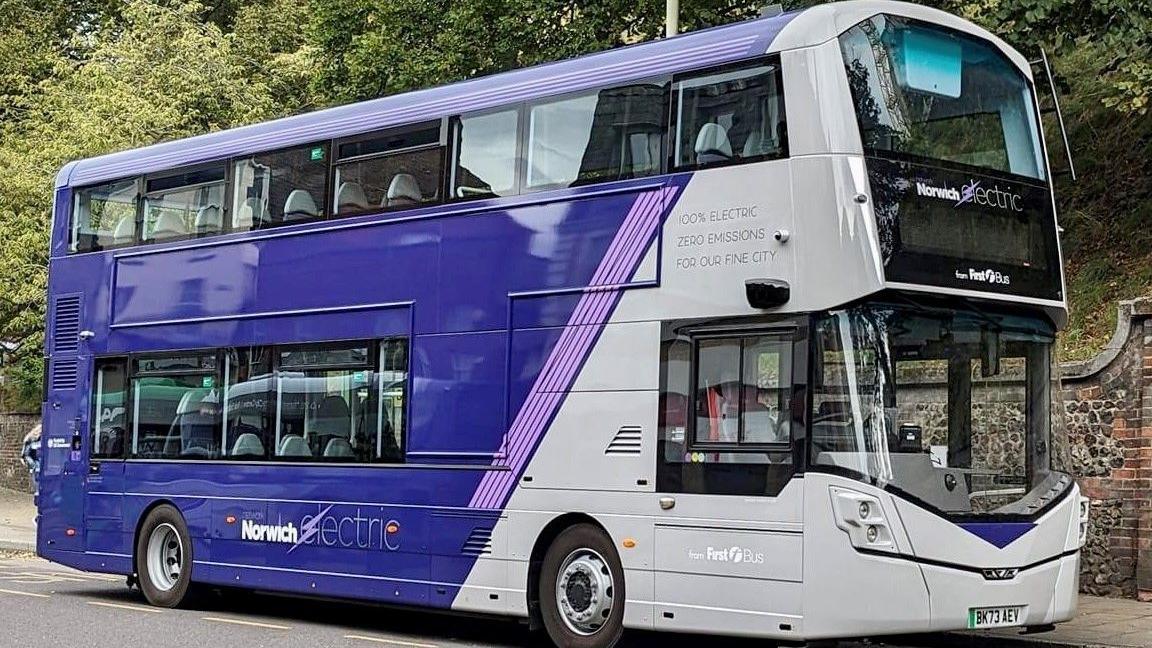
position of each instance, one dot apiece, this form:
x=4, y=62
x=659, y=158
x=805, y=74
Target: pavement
x=36, y=596
x=17, y=521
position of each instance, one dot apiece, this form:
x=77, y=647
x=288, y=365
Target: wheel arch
x=544, y=539
x=144, y=513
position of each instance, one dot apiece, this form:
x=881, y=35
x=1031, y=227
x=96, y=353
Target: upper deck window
x=610, y=135
x=734, y=115
x=390, y=170
x=486, y=155
x=280, y=187
x=104, y=216
x=934, y=93
x=184, y=204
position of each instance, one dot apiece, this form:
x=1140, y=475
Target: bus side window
x=280, y=186
x=176, y=401
x=184, y=204
x=109, y=412
x=104, y=216
x=394, y=169
x=486, y=155
x=613, y=134
x=730, y=116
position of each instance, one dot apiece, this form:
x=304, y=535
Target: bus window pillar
x=959, y=412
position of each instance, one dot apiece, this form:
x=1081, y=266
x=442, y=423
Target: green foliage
x=368, y=48
x=161, y=73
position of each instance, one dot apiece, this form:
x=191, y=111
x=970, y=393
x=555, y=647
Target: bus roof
x=693, y=50
x=698, y=49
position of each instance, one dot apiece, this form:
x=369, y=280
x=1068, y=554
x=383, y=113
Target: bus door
x=106, y=424
x=729, y=527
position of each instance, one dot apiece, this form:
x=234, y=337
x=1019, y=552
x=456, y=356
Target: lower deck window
x=327, y=402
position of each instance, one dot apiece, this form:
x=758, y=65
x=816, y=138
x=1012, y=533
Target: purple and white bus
x=747, y=331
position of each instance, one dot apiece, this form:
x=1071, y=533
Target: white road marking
x=122, y=606
x=254, y=624
x=19, y=593
x=391, y=642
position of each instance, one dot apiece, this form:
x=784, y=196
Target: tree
x=369, y=48
x=160, y=75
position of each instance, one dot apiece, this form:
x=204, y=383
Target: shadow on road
x=359, y=617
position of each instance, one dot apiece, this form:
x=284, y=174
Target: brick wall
x=13, y=427
x=1108, y=401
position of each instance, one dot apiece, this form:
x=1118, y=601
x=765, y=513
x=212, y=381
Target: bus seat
x=300, y=206
x=251, y=215
x=294, y=446
x=248, y=445
x=168, y=225
x=209, y=218
x=403, y=190
x=712, y=144
x=351, y=197
x=338, y=448
x=125, y=230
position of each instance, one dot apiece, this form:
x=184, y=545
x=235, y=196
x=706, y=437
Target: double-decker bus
x=746, y=331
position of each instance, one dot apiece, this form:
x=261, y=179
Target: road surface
x=43, y=605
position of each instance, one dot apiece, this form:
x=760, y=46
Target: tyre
x=164, y=558
x=582, y=589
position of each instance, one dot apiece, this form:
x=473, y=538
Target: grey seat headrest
x=338, y=447
x=168, y=225
x=209, y=218
x=351, y=197
x=404, y=190
x=294, y=446
x=300, y=206
x=712, y=143
x=248, y=445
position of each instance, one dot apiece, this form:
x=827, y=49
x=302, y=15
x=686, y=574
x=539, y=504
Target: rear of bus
x=935, y=436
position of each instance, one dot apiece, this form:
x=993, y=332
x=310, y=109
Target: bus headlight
x=1085, y=509
x=862, y=517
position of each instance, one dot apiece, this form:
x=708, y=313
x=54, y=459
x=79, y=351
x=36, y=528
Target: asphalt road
x=43, y=605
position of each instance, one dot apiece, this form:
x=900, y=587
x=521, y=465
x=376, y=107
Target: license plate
x=995, y=617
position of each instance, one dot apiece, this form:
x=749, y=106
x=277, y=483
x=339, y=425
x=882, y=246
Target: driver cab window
x=743, y=391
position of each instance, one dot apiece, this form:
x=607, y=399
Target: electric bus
x=747, y=331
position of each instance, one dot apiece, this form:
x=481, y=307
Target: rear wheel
x=582, y=589
x=164, y=557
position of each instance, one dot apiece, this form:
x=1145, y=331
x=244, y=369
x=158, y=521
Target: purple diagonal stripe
x=652, y=204
x=635, y=216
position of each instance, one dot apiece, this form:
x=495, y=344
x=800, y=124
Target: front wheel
x=164, y=557
x=582, y=589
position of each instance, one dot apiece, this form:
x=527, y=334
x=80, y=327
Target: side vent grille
x=66, y=330
x=65, y=374
x=64, y=366
x=479, y=542
x=626, y=442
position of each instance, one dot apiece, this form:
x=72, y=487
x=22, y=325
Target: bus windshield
x=950, y=408
x=934, y=93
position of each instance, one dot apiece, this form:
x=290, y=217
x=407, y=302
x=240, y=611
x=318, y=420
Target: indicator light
x=392, y=527
x=70, y=532
x=231, y=519
x=629, y=543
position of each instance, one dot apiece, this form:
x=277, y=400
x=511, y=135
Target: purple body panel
x=998, y=534
x=502, y=311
